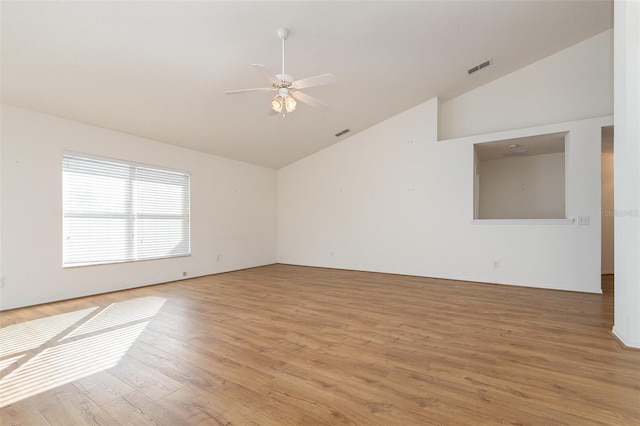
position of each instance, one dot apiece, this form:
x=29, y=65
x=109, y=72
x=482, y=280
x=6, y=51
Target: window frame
x=133, y=214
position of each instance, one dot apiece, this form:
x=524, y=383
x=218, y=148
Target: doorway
x=608, y=215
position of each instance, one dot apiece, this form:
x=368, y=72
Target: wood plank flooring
x=287, y=345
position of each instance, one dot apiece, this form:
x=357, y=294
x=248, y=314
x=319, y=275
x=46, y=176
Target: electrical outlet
x=184, y=274
x=219, y=257
x=330, y=254
x=583, y=220
x=496, y=264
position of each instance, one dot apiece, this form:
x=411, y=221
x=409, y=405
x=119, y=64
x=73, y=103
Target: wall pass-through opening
x=521, y=178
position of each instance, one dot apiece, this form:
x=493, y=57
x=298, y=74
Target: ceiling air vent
x=479, y=67
x=342, y=132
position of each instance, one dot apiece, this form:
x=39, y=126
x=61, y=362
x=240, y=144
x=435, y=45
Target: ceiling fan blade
x=267, y=72
x=309, y=100
x=318, y=80
x=259, y=89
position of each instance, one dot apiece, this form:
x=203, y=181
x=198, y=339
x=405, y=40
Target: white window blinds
x=119, y=212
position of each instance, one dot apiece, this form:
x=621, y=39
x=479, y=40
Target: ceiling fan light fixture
x=290, y=104
x=277, y=103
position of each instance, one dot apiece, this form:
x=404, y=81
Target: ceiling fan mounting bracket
x=283, y=33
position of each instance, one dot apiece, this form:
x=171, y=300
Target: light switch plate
x=583, y=220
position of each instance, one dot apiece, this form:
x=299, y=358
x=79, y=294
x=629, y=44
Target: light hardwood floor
x=287, y=345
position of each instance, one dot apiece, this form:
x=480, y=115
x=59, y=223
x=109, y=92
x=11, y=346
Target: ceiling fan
x=287, y=87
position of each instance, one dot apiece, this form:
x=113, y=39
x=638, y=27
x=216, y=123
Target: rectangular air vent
x=342, y=132
x=479, y=67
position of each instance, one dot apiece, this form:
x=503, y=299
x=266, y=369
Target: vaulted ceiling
x=159, y=70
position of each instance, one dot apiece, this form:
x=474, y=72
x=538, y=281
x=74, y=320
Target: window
x=118, y=212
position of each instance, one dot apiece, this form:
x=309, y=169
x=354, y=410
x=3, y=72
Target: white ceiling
x=159, y=69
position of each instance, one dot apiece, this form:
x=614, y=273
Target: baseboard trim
x=621, y=343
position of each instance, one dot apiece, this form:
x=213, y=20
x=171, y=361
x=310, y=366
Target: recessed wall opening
x=521, y=178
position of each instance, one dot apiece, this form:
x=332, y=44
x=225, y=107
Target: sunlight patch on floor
x=27, y=335
x=43, y=354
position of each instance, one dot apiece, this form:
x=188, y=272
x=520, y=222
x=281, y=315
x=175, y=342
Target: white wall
x=627, y=173
x=522, y=187
x=572, y=84
x=233, y=210
x=1, y=228
x=607, y=207
x=394, y=199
